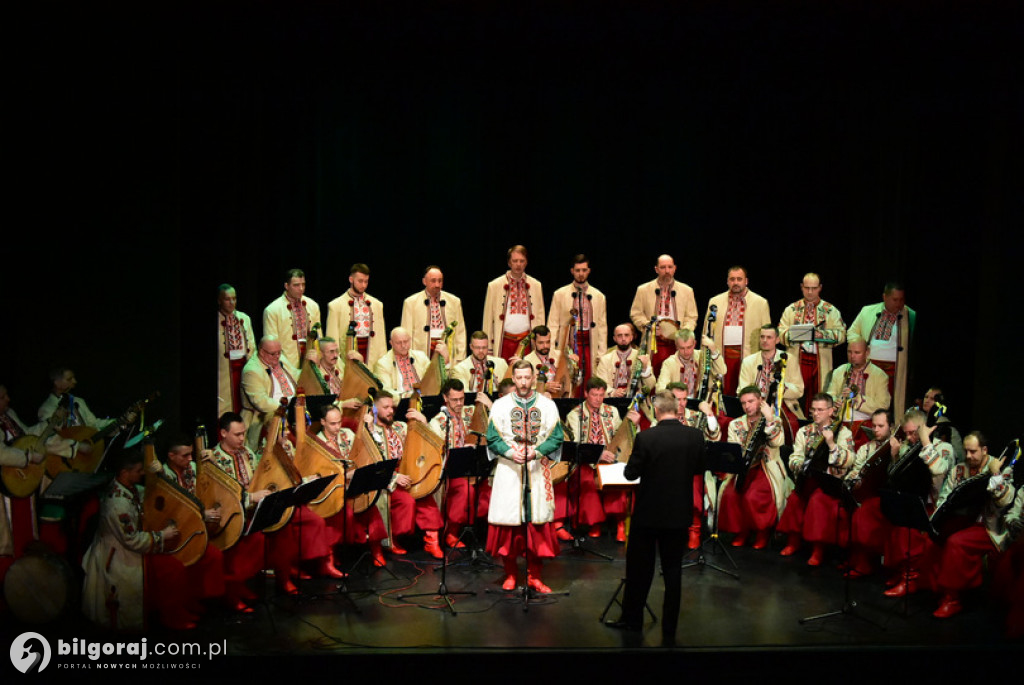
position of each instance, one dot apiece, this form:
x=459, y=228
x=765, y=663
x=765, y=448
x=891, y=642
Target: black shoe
x=622, y=625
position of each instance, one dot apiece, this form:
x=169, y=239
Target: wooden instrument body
x=364, y=452
x=520, y=353
x=621, y=444
x=359, y=381
x=477, y=432
x=217, y=490
x=275, y=470
x=22, y=481
x=88, y=462
x=316, y=459
x=166, y=503
x=564, y=372
x=422, y=459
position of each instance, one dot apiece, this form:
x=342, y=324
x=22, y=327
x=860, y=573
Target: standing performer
x=426, y=313
x=872, y=388
x=738, y=329
x=480, y=372
x=666, y=457
x=592, y=315
x=266, y=380
x=524, y=437
x=617, y=366
x=888, y=329
x=114, y=594
x=291, y=317
x=670, y=302
x=236, y=343
x=814, y=354
x=453, y=422
x=514, y=304
x=368, y=312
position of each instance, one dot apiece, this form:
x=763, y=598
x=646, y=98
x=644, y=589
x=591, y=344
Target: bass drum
x=40, y=587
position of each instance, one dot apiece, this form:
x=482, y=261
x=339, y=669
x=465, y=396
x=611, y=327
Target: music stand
x=905, y=510
x=469, y=462
x=580, y=454
x=839, y=489
x=375, y=476
x=719, y=457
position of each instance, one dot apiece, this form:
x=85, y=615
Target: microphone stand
x=442, y=588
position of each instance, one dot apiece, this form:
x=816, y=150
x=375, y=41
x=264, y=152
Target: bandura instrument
x=436, y=374
x=422, y=455
x=311, y=380
x=565, y=369
x=621, y=444
x=219, y=491
x=644, y=349
x=315, y=458
x=816, y=451
x=275, y=470
x=359, y=381
x=166, y=503
x=365, y=451
x=757, y=437
x=476, y=434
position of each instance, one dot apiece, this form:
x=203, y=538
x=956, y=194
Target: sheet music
x=613, y=475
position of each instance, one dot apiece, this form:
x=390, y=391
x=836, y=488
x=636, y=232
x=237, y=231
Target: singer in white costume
x=524, y=435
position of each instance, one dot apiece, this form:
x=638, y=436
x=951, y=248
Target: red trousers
x=751, y=509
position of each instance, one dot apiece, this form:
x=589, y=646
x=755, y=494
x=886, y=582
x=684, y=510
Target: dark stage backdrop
x=159, y=152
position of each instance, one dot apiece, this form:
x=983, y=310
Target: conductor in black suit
x=665, y=458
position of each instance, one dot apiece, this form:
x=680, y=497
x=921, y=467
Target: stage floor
x=728, y=623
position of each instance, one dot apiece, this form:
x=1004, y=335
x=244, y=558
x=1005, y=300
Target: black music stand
x=719, y=457
x=839, y=489
x=469, y=462
x=580, y=454
x=460, y=462
x=905, y=510
x=375, y=476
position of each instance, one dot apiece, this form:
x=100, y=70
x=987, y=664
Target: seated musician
x=21, y=525
x=712, y=432
x=811, y=514
x=756, y=369
x=114, y=595
x=407, y=513
x=932, y=404
x=577, y=500
x=616, y=366
x=869, y=528
x=905, y=548
x=761, y=500
x=321, y=373
x=687, y=364
x=267, y=379
x=207, y=574
x=869, y=384
x=544, y=356
x=63, y=383
x=1008, y=574
x=11, y=544
x=350, y=527
x=453, y=422
x=480, y=372
x=955, y=565
x=402, y=368
x=304, y=535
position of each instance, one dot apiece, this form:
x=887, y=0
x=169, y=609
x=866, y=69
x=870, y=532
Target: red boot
x=431, y=545
x=949, y=606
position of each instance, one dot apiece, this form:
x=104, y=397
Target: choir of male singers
x=525, y=430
